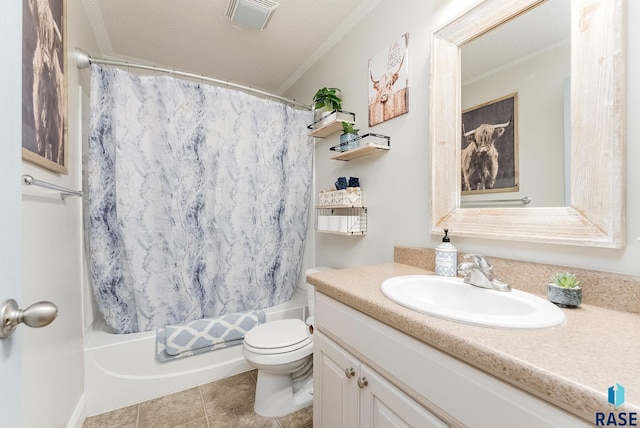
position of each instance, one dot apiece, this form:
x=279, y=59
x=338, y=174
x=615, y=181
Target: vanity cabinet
x=354, y=395
x=369, y=374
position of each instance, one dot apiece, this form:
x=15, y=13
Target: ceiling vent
x=253, y=14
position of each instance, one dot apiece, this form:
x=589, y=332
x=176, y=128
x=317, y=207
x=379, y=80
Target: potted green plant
x=326, y=100
x=349, y=134
x=564, y=290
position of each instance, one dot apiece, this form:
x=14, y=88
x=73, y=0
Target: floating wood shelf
x=367, y=150
x=331, y=123
x=364, y=145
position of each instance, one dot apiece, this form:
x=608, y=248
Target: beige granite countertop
x=571, y=366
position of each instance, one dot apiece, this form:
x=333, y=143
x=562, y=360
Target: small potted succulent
x=564, y=290
x=326, y=100
x=349, y=133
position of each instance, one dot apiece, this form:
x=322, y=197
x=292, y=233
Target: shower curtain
x=198, y=199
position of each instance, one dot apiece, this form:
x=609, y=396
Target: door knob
x=349, y=372
x=37, y=315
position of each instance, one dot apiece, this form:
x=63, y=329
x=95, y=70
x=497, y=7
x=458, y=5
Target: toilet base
x=275, y=396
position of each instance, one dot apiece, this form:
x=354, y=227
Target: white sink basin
x=452, y=299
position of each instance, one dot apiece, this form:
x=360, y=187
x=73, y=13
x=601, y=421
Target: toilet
x=282, y=351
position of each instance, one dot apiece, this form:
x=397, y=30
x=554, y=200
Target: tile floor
x=225, y=403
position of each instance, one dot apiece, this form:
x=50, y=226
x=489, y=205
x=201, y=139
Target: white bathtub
x=122, y=369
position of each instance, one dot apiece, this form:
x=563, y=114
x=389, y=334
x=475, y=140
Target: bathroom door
x=10, y=279
x=10, y=288
x=10, y=206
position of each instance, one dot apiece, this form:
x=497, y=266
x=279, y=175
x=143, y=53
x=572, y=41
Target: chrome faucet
x=479, y=273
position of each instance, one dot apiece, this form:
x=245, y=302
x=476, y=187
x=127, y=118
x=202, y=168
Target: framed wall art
x=44, y=84
x=389, y=82
x=489, y=152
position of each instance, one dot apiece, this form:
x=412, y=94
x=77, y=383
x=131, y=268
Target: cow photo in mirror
x=389, y=82
x=489, y=155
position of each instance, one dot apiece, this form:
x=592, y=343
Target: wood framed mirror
x=596, y=213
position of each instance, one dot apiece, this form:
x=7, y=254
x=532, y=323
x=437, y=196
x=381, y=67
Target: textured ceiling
x=195, y=36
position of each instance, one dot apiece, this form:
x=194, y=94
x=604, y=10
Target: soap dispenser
x=446, y=257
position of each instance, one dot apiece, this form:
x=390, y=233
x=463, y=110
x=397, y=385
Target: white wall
x=396, y=184
x=53, y=357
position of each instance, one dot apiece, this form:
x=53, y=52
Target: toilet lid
x=278, y=334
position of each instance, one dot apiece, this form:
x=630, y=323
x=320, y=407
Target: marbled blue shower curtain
x=198, y=199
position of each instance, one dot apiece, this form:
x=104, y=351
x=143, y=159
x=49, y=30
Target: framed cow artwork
x=489, y=155
x=389, y=82
x=44, y=87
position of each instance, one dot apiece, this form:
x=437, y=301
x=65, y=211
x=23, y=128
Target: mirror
x=595, y=215
x=522, y=66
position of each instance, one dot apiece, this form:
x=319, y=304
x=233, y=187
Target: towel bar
x=28, y=180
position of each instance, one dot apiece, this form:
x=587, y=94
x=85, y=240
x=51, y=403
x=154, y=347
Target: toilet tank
x=310, y=288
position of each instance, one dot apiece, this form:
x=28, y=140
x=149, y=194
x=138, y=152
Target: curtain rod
x=84, y=60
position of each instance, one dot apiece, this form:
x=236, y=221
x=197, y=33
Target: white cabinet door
x=382, y=405
x=348, y=394
x=335, y=400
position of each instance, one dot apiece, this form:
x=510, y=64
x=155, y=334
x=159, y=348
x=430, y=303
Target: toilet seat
x=278, y=337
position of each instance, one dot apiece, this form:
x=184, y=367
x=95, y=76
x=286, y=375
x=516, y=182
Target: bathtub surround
x=122, y=369
x=198, y=199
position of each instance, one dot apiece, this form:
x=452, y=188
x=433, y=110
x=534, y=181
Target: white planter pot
x=320, y=113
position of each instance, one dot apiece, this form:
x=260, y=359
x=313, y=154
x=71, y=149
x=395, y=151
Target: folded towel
x=208, y=334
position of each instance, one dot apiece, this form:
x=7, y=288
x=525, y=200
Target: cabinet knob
x=362, y=382
x=349, y=372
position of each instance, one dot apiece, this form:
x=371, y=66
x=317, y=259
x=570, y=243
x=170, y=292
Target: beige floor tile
x=302, y=417
x=200, y=423
x=172, y=410
x=227, y=393
x=241, y=416
x=228, y=402
x=127, y=417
